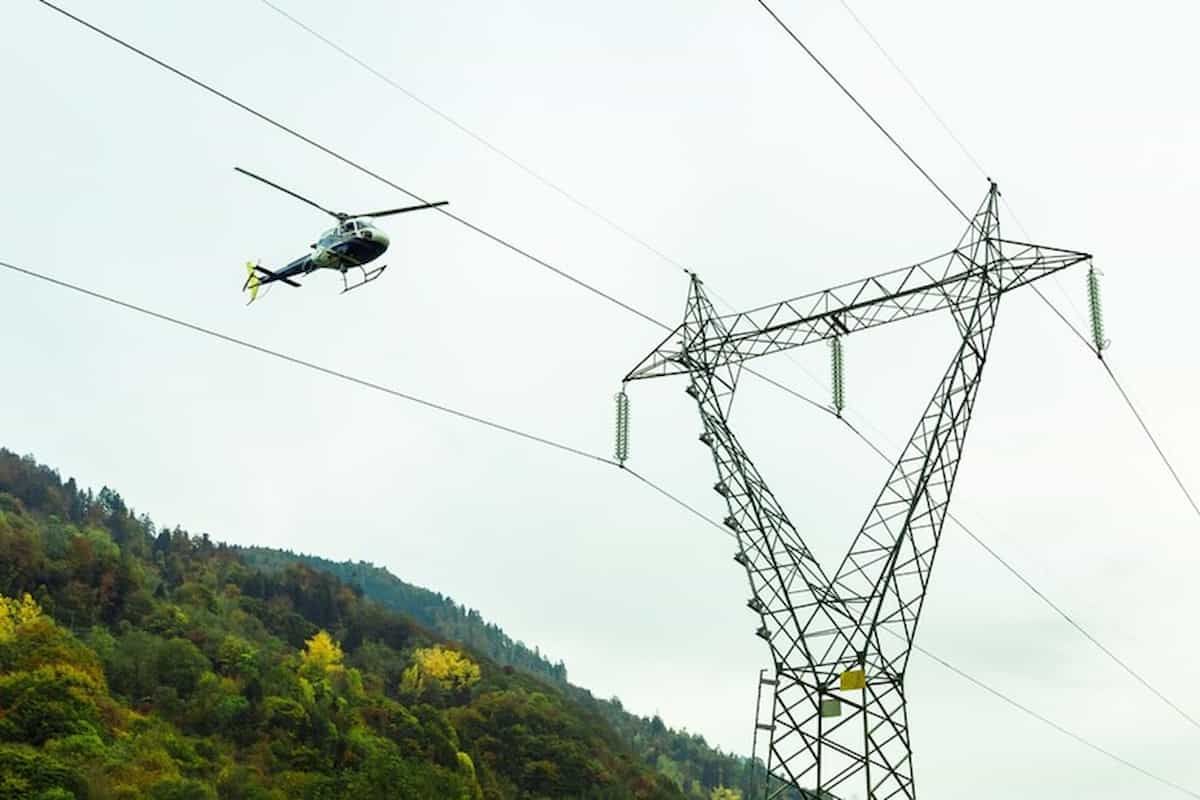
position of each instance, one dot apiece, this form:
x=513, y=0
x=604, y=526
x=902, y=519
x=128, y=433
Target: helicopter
x=351, y=244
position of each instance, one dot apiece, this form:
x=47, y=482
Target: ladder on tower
x=768, y=727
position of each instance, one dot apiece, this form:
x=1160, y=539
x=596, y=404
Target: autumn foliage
x=145, y=662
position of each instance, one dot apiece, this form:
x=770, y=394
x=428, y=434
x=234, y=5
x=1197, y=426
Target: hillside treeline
x=142, y=662
x=697, y=768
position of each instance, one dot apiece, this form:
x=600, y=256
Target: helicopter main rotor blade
x=391, y=211
x=299, y=197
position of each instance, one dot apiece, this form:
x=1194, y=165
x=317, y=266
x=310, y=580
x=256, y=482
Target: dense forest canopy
x=697, y=768
x=138, y=661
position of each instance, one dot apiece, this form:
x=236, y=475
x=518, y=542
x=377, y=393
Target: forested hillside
x=687, y=759
x=139, y=662
x=431, y=609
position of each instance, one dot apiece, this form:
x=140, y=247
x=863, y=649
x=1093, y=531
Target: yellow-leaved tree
x=450, y=668
x=725, y=793
x=15, y=612
x=321, y=653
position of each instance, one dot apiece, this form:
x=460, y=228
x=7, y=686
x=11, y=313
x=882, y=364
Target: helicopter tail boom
x=257, y=276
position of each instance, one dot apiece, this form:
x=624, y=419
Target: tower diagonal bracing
x=840, y=642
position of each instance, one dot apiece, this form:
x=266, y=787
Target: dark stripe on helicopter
x=360, y=250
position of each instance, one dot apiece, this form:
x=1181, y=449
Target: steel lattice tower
x=842, y=644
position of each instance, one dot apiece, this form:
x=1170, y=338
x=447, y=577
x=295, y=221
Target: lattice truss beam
x=840, y=645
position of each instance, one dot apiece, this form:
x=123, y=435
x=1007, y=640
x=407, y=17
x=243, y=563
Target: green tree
x=180, y=665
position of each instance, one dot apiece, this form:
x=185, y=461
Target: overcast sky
x=700, y=127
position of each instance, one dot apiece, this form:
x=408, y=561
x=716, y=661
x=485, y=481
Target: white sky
x=701, y=127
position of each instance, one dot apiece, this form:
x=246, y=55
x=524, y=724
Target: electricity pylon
x=840, y=645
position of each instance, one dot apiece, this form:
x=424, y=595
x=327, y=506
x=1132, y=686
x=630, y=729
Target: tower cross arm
x=941, y=282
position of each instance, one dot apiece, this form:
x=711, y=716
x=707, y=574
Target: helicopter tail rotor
x=252, y=281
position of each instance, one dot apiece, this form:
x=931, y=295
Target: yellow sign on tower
x=854, y=680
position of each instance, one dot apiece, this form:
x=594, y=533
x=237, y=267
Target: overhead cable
x=1078, y=334
x=344, y=376
x=1154, y=441
x=1051, y=723
x=1016, y=573
x=528, y=170
x=387, y=182
x=349, y=161
x=340, y=375
x=865, y=112
x=355, y=165
x=562, y=273
x=1058, y=313
x=941, y=121
x=928, y=106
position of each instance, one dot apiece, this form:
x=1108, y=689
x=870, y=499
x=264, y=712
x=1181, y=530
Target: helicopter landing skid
x=367, y=277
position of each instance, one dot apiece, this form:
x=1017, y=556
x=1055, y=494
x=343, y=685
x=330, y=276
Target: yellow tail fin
x=251, y=282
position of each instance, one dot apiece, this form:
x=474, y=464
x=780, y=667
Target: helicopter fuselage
x=352, y=243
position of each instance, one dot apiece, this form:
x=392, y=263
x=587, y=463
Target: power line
x=295, y=361
x=624, y=231
x=306, y=364
x=941, y=121
x=387, y=182
x=1078, y=334
x=362, y=382
x=928, y=106
x=864, y=110
x=1128, y=402
x=591, y=210
x=528, y=170
x=1151, y=437
x=547, y=265
x=1079, y=315
x=1016, y=573
x=350, y=162
x=1047, y=721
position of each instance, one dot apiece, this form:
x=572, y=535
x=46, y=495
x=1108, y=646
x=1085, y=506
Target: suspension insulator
x=622, y=448
x=1096, y=311
x=839, y=375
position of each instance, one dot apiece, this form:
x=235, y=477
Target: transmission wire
x=1047, y=721
x=303, y=363
x=1150, y=436
x=1016, y=573
x=864, y=110
x=928, y=106
x=528, y=170
x=529, y=437
x=371, y=173
x=941, y=121
x=355, y=165
x=350, y=162
x=344, y=376
x=1078, y=334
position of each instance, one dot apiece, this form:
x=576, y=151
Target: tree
x=15, y=612
x=180, y=665
x=450, y=668
x=27, y=773
x=322, y=654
